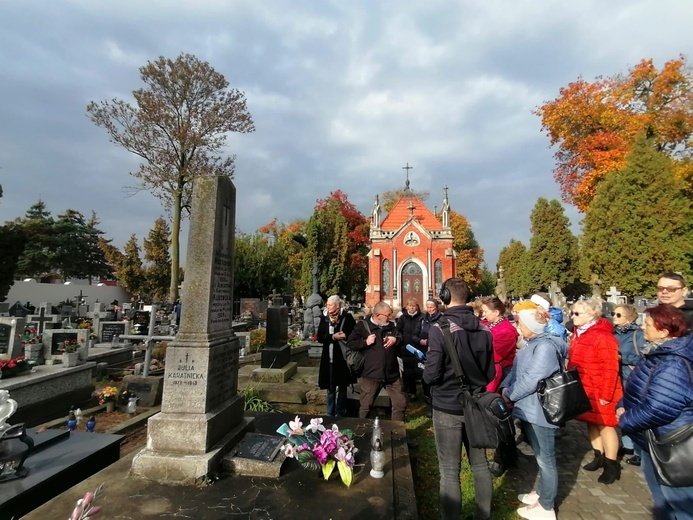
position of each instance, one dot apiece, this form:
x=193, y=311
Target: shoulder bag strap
x=635, y=344
x=444, y=326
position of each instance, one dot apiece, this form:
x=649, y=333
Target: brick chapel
x=411, y=251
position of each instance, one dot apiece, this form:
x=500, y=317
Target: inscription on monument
x=259, y=446
x=5, y=336
x=184, y=372
x=222, y=377
x=220, y=311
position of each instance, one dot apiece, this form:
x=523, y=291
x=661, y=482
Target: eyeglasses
x=668, y=289
x=575, y=313
x=616, y=314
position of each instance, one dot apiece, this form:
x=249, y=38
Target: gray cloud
x=343, y=95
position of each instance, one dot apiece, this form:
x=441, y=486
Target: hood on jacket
x=682, y=346
x=464, y=315
x=556, y=314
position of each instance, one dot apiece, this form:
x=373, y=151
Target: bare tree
x=178, y=125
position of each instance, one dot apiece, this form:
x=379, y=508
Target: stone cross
x=42, y=317
x=613, y=294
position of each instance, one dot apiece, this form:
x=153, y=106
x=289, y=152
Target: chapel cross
x=411, y=209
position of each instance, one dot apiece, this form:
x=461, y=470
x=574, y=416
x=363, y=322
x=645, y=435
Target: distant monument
x=501, y=288
x=201, y=413
x=313, y=312
x=596, y=287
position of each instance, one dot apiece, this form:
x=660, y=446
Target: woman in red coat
x=594, y=352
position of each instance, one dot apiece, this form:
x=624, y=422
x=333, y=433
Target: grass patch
x=424, y=465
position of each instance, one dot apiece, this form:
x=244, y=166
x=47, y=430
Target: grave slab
x=48, y=390
x=148, y=389
x=275, y=375
x=56, y=468
x=295, y=494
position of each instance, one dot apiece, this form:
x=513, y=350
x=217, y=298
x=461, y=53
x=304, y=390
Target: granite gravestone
x=276, y=352
x=11, y=345
x=109, y=329
x=4, y=309
x=140, y=322
x=201, y=412
x=7, y=337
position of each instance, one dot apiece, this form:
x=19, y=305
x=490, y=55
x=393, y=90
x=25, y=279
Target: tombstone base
x=275, y=357
x=193, y=433
x=177, y=469
x=275, y=375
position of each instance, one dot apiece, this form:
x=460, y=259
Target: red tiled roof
x=399, y=214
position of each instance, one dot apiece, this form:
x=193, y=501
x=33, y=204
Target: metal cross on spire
x=406, y=184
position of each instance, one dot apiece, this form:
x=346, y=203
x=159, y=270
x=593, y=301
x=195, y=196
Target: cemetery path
x=580, y=496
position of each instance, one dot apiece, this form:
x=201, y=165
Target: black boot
x=612, y=472
x=597, y=463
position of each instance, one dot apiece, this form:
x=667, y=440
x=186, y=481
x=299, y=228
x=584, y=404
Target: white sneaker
x=529, y=498
x=536, y=512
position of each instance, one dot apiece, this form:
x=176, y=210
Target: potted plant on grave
x=33, y=345
x=69, y=349
x=108, y=395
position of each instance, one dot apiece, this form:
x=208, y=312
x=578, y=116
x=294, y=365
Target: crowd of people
x=637, y=378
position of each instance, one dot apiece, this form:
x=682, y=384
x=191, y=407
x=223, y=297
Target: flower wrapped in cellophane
x=319, y=448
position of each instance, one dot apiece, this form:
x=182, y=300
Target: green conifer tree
x=552, y=251
x=157, y=272
x=639, y=224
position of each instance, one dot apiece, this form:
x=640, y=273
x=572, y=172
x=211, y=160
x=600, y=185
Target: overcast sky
x=343, y=95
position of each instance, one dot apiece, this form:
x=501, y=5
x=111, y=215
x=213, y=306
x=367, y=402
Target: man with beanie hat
x=473, y=343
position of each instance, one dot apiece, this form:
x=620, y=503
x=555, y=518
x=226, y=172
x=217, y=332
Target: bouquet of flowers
x=30, y=336
x=317, y=447
x=107, y=393
x=69, y=346
x=11, y=367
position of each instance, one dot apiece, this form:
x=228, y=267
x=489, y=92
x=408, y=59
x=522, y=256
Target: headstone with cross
x=614, y=295
x=44, y=316
x=200, y=404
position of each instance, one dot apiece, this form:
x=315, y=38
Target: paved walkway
x=580, y=496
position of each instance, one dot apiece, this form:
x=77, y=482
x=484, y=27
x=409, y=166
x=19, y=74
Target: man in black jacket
x=376, y=337
x=473, y=343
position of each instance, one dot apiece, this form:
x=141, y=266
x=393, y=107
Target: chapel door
x=412, y=284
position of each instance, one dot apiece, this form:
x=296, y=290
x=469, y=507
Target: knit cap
x=527, y=314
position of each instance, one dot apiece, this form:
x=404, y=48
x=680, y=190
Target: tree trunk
x=175, y=246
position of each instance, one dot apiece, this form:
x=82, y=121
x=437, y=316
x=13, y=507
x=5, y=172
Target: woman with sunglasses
x=594, y=352
x=659, y=397
x=631, y=342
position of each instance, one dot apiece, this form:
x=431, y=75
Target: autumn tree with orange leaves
x=469, y=255
x=337, y=238
x=594, y=125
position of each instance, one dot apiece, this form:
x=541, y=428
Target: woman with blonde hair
x=594, y=352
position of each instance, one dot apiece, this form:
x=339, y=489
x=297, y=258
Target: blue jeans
x=543, y=442
x=337, y=400
x=670, y=503
x=450, y=437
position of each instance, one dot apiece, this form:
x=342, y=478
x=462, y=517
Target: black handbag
x=562, y=395
x=672, y=453
x=488, y=421
x=672, y=456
